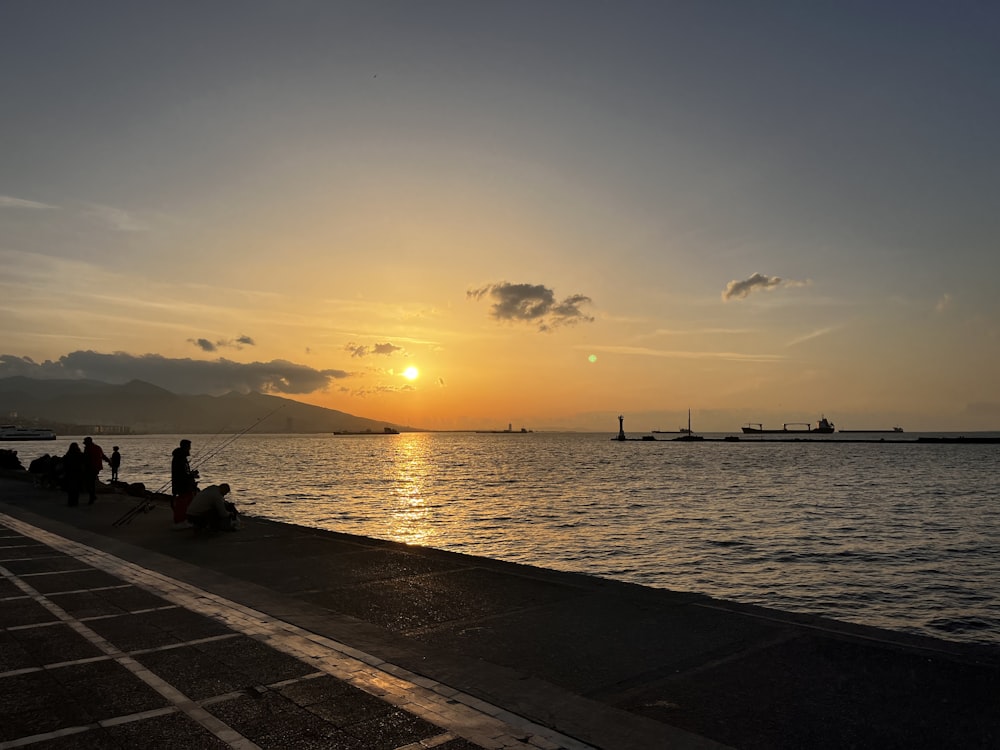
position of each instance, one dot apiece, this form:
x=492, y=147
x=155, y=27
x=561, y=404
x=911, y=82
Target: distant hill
x=140, y=407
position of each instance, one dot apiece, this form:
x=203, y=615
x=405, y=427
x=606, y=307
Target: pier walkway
x=285, y=637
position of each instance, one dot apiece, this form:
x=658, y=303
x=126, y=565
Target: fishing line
x=147, y=503
x=225, y=444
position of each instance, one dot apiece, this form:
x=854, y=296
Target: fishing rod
x=147, y=504
x=226, y=443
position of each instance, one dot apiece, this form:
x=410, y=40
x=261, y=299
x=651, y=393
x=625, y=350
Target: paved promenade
x=285, y=637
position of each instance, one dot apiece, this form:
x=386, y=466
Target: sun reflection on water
x=410, y=517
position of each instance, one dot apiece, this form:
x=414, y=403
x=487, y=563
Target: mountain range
x=70, y=406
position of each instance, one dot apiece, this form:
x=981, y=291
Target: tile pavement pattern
x=96, y=652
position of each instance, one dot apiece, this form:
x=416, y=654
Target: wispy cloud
x=362, y=350
x=811, y=335
x=943, y=303
x=741, y=289
x=8, y=201
x=696, y=332
x=675, y=354
x=532, y=303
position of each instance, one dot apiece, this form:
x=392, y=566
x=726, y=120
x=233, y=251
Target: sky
x=457, y=215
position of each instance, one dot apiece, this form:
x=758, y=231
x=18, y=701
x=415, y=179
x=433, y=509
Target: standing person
x=93, y=461
x=183, y=482
x=116, y=461
x=73, y=471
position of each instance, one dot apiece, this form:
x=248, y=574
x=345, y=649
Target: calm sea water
x=897, y=535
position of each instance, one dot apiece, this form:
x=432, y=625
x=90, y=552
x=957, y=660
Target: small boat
x=678, y=431
x=14, y=433
x=823, y=427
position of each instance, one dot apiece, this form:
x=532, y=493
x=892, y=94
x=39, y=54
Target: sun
x=411, y=373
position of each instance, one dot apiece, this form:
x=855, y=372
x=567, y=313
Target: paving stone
x=37, y=703
x=132, y=632
x=73, y=581
x=59, y=562
x=12, y=654
x=169, y=732
x=271, y=721
x=318, y=690
x=85, y=604
x=55, y=643
x=23, y=611
x=92, y=738
x=195, y=673
x=132, y=598
x=392, y=729
x=261, y=664
x=106, y=689
x=458, y=744
x=21, y=551
x=188, y=625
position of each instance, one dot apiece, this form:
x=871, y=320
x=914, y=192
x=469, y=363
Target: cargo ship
x=823, y=427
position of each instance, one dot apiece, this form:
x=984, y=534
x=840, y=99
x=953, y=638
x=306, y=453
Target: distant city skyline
x=467, y=215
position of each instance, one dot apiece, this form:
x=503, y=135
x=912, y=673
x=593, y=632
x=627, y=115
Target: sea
x=892, y=533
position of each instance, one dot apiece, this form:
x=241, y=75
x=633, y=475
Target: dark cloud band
x=177, y=375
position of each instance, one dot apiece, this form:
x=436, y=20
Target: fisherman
x=211, y=510
x=182, y=478
x=183, y=482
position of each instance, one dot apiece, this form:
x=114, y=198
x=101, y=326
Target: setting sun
x=411, y=373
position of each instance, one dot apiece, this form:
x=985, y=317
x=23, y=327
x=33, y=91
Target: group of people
x=203, y=509
x=82, y=466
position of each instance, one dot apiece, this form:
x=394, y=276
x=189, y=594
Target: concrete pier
x=282, y=636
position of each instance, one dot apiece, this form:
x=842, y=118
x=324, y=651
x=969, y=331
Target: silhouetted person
x=183, y=482
x=182, y=478
x=116, y=461
x=73, y=472
x=210, y=510
x=93, y=461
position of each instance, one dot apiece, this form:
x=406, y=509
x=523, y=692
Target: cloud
x=177, y=375
x=811, y=335
x=680, y=354
x=208, y=346
x=7, y=201
x=944, y=303
x=532, y=303
x=361, y=350
x=742, y=289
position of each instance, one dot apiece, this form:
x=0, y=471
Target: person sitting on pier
x=211, y=510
